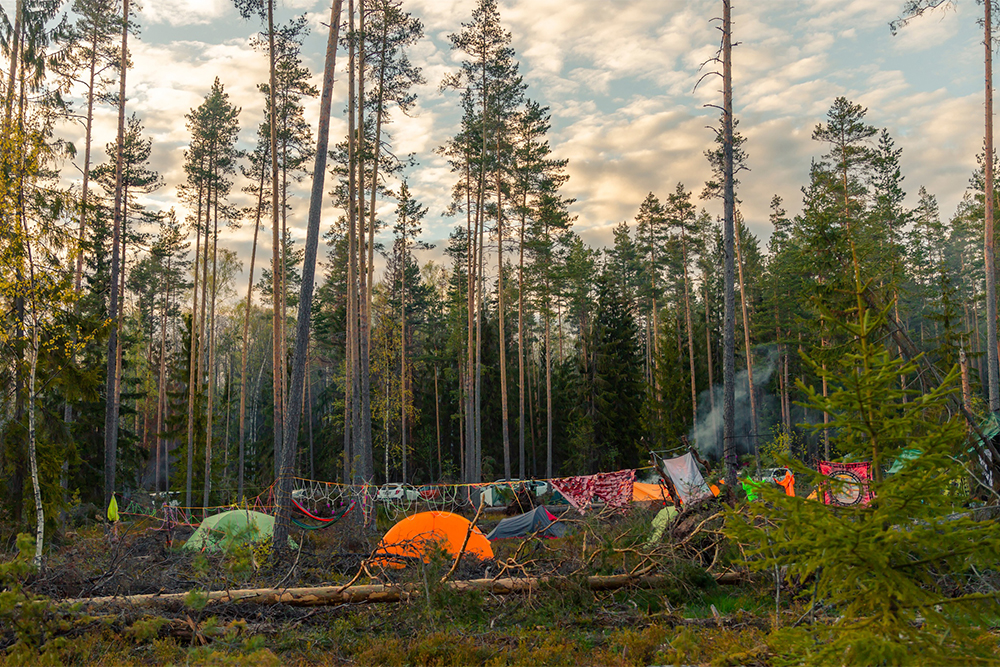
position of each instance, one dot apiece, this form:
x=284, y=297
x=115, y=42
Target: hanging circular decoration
x=848, y=488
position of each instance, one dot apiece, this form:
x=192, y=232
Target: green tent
x=221, y=531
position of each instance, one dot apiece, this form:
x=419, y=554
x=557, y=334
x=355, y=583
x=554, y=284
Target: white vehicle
x=538, y=487
x=394, y=491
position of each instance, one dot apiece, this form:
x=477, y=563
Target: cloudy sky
x=619, y=77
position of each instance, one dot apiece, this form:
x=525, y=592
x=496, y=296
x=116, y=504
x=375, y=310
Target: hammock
x=324, y=522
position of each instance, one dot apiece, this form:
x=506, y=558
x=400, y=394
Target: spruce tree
x=881, y=568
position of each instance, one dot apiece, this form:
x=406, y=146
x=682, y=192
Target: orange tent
x=412, y=536
x=646, y=492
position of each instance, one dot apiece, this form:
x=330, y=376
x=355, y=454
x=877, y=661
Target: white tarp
x=686, y=477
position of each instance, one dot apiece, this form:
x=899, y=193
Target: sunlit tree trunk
x=991, y=292
x=352, y=430
x=729, y=313
x=367, y=466
x=210, y=413
x=277, y=334
x=284, y=496
x=111, y=405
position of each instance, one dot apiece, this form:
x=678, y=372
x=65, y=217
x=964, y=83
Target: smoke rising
x=708, y=430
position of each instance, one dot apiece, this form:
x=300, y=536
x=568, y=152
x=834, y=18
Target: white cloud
x=619, y=79
x=185, y=12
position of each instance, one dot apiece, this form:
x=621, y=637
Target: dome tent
x=538, y=520
x=221, y=531
x=415, y=535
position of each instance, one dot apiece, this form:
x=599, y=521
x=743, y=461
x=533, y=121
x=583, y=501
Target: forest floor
x=687, y=618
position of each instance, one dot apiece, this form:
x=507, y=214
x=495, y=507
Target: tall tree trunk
x=193, y=361
x=480, y=307
x=708, y=348
x=532, y=397
x=690, y=332
x=470, y=256
x=367, y=465
x=746, y=346
x=33, y=447
x=309, y=420
x=781, y=359
x=402, y=352
x=209, y=411
x=84, y=190
x=277, y=335
x=121, y=302
x=522, y=472
x=461, y=421
x=729, y=318
x=111, y=405
x=161, y=399
x=246, y=335
x=284, y=496
x=437, y=419
x=503, y=341
x=991, y=291
x=786, y=396
x=548, y=393
x=352, y=429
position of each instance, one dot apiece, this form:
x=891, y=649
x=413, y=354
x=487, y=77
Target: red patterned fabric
x=854, y=478
x=614, y=488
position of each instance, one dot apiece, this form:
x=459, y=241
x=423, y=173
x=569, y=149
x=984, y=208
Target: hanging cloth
x=848, y=483
x=113, y=510
x=614, y=488
x=787, y=483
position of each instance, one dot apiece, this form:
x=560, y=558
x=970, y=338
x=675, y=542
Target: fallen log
x=330, y=595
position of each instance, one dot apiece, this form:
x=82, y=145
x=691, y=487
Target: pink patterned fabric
x=851, y=487
x=614, y=488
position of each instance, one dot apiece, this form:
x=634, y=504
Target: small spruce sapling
x=879, y=568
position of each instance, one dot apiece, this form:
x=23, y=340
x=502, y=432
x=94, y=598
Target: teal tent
x=223, y=530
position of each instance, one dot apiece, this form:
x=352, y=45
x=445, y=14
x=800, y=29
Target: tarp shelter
x=538, y=520
x=648, y=492
x=686, y=477
x=415, y=535
x=220, y=531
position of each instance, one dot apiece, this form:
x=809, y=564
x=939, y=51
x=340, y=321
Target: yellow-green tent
x=221, y=531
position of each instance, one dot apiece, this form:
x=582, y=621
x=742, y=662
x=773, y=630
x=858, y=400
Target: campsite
x=499, y=332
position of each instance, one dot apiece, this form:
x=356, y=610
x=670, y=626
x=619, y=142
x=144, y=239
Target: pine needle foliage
x=880, y=570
